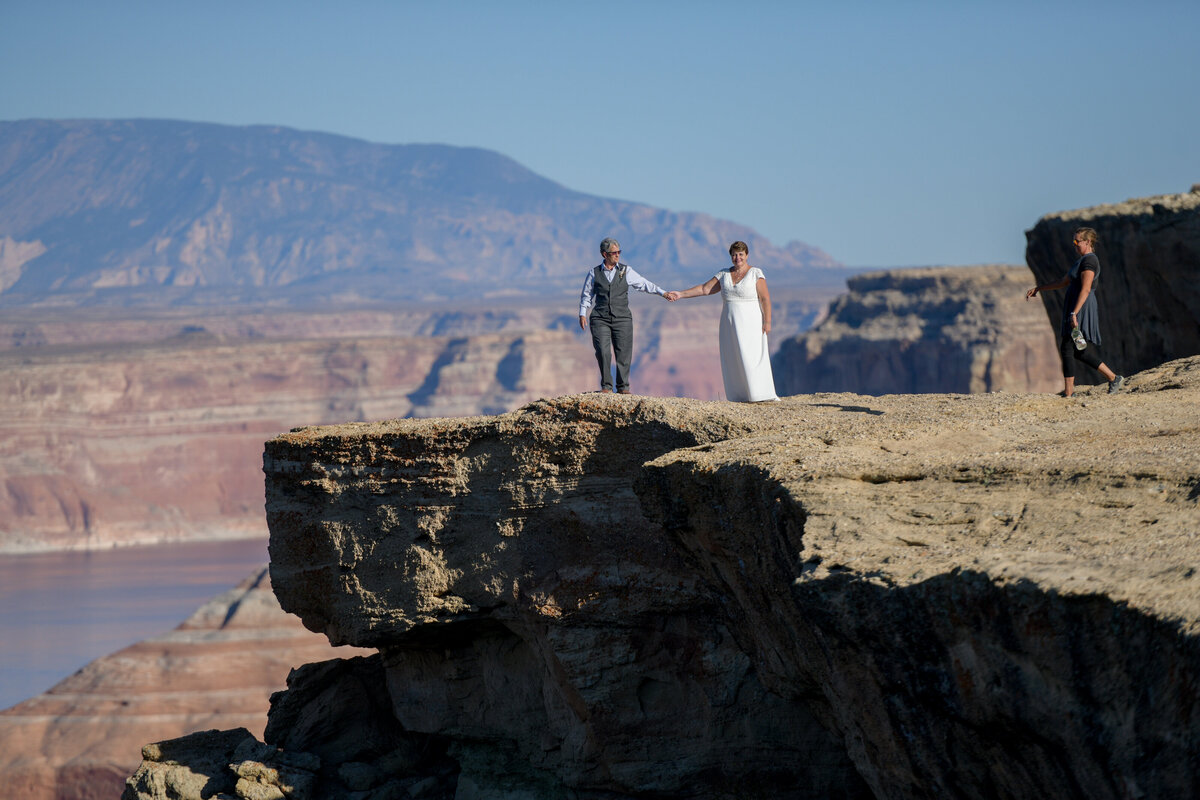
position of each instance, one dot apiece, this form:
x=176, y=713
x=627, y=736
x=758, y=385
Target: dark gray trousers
x=616, y=334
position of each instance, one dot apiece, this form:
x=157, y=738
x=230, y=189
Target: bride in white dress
x=745, y=323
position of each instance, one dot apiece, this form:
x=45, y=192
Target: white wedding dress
x=745, y=359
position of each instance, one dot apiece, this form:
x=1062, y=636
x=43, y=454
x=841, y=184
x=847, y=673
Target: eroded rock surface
x=1149, y=286
x=831, y=596
x=558, y=609
x=929, y=329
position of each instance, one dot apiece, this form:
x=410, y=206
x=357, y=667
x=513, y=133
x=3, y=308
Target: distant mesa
x=932, y=329
x=968, y=329
x=151, y=211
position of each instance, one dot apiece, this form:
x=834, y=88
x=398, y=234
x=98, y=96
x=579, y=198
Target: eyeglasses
x=612, y=252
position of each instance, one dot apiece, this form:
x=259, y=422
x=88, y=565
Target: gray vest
x=612, y=299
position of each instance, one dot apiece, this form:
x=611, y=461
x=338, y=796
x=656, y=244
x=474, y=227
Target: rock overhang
x=833, y=595
x=1081, y=495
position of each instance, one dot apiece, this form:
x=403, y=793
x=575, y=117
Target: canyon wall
x=1149, y=284
x=80, y=739
x=907, y=596
x=933, y=329
x=126, y=428
x=160, y=442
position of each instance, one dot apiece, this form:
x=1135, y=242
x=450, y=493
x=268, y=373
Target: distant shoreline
x=60, y=610
x=18, y=550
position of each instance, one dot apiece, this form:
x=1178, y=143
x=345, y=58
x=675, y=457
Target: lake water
x=59, y=611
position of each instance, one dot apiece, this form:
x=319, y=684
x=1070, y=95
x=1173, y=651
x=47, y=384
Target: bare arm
x=1062, y=283
x=764, y=303
x=711, y=286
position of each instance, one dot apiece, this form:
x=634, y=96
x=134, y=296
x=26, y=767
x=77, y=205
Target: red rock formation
x=156, y=442
x=933, y=329
x=218, y=669
x=153, y=430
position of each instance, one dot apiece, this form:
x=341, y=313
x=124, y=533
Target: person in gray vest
x=606, y=293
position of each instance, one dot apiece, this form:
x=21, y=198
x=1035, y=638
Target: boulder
x=193, y=766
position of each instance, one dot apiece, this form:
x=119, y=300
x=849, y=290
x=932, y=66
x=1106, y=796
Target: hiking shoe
x=1115, y=384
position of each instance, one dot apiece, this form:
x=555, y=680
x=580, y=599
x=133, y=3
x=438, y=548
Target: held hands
x=672, y=296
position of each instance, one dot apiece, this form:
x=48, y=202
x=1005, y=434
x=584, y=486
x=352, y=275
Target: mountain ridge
x=98, y=210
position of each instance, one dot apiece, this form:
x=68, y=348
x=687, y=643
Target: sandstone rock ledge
x=834, y=596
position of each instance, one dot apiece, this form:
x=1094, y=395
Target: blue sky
x=888, y=134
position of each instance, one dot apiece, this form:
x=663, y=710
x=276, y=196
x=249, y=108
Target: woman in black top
x=1080, y=311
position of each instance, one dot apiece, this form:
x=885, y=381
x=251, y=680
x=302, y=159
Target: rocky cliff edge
x=831, y=596
x=1149, y=284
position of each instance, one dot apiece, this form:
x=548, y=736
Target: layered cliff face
x=832, y=596
x=1149, y=284
x=81, y=738
x=160, y=442
x=934, y=329
x=128, y=428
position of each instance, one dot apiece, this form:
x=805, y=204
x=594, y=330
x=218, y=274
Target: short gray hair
x=608, y=245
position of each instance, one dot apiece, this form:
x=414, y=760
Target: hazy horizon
x=934, y=133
